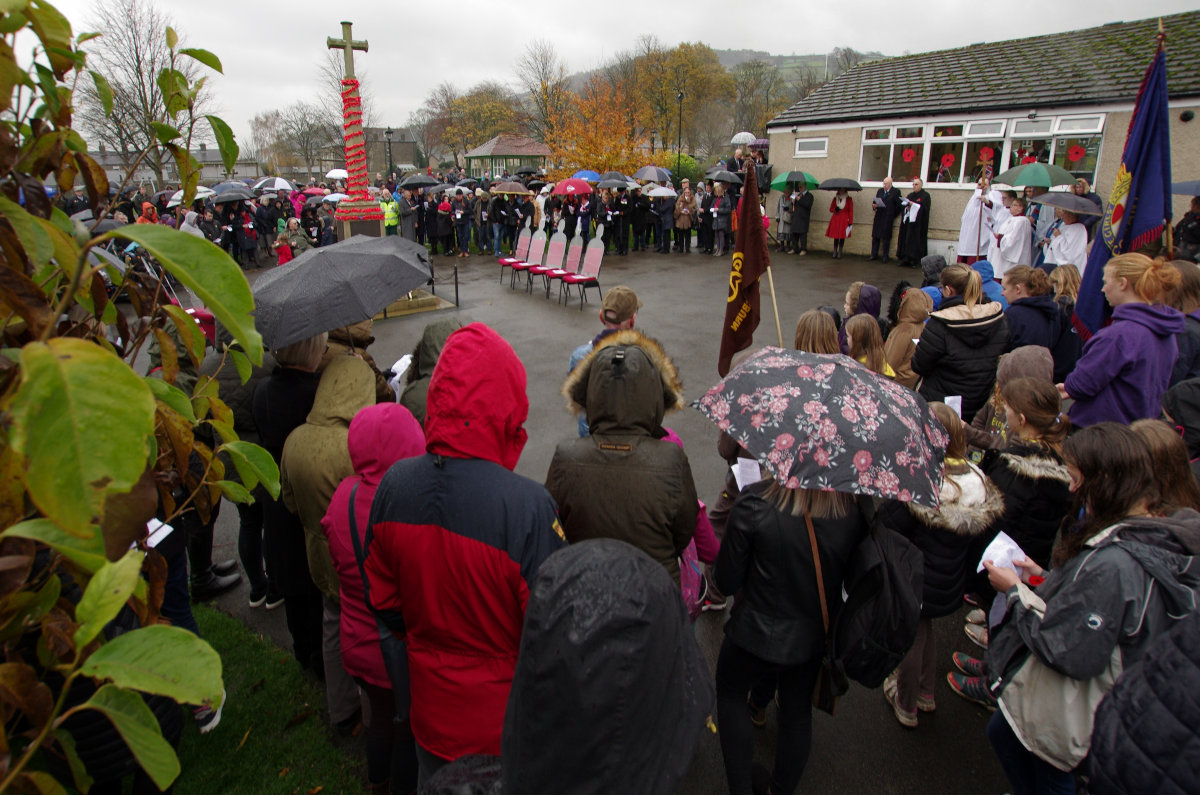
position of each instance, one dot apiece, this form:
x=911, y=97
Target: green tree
x=487, y=110
x=762, y=93
x=88, y=448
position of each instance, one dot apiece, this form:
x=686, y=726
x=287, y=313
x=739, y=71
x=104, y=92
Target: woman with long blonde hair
x=1126, y=366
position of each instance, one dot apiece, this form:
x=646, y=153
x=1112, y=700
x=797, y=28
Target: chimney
x=203, y=146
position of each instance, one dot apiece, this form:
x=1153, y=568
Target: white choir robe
x=1013, y=248
x=1000, y=214
x=972, y=236
x=1069, y=247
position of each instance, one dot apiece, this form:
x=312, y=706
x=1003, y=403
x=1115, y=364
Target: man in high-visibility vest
x=391, y=213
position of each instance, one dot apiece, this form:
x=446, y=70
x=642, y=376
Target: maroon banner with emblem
x=750, y=262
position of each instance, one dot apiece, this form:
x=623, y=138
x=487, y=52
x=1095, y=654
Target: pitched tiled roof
x=511, y=146
x=1083, y=67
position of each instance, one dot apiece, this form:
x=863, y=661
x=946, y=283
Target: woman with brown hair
x=866, y=344
x=816, y=333
x=901, y=343
x=961, y=343
x=1121, y=578
x=1126, y=366
x=1176, y=484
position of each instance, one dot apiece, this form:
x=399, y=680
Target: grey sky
x=271, y=49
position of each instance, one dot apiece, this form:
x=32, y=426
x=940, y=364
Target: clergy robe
x=1013, y=248
x=1069, y=247
x=973, y=236
x=914, y=231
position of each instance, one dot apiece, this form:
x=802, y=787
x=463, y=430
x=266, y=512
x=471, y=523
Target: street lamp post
x=391, y=166
x=679, y=136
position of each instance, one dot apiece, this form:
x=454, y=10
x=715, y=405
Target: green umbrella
x=795, y=178
x=1039, y=175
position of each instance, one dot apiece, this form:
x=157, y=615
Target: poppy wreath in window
x=1028, y=159
x=948, y=160
x=986, y=154
x=1076, y=153
x=907, y=155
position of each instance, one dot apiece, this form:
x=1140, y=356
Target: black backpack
x=883, y=584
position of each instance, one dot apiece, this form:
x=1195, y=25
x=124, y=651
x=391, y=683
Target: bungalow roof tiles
x=1083, y=67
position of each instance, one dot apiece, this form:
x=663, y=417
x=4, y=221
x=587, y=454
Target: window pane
x=906, y=161
x=910, y=132
x=1085, y=124
x=1078, y=155
x=1032, y=127
x=981, y=154
x=985, y=128
x=878, y=133
x=812, y=147
x=875, y=163
x=945, y=161
x=1029, y=150
x=947, y=130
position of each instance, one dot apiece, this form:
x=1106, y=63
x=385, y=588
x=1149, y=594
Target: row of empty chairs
x=556, y=260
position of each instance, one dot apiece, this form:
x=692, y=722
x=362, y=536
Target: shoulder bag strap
x=812, y=540
x=360, y=554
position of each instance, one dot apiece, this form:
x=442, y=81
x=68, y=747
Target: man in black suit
x=886, y=207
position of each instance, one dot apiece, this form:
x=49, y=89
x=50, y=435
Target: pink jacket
x=380, y=435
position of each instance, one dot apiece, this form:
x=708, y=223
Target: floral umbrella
x=825, y=422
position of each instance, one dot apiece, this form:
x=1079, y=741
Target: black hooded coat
x=610, y=692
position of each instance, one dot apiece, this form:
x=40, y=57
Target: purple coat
x=1126, y=366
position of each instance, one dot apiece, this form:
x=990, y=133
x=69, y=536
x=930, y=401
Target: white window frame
x=824, y=151
x=1095, y=129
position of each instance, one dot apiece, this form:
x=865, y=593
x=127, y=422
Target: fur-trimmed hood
x=626, y=385
x=971, y=504
x=1036, y=462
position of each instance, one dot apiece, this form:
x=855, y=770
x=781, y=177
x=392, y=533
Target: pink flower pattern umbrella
x=826, y=422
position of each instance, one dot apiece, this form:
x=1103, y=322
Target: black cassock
x=914, y=235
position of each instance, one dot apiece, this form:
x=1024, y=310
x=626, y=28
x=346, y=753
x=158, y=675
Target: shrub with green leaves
x=89, y=449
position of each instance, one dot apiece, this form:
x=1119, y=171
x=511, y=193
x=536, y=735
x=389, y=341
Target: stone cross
x=347, y=45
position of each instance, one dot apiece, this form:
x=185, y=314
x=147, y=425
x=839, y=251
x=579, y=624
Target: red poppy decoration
x=1021, y=152
x=908, y=154
x=1028, y=159
x=1076, y=153
x=986, y=153
x=948, y=160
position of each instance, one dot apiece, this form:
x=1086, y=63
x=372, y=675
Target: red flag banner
x=750, y=261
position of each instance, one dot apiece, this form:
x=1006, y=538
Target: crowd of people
x=426, y=583
x=436, y=593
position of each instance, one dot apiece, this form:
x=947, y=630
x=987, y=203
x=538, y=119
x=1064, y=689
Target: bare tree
x=805, y=80
x=419, y=122
x=307, y=133
x=267, y=143
x=330, y=73
x=761, y=93
x=543, y=76
x=443, y=115
x=844, y=59
x=131, y=52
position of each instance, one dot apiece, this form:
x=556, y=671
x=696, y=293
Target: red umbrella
x=571, y=187
x=314, y=191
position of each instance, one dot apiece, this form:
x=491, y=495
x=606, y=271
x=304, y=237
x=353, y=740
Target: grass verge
x=272, y=737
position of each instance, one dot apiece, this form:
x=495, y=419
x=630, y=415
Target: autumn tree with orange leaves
x=595, y=131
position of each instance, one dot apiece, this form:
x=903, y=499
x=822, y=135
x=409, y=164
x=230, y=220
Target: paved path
x=863, y=748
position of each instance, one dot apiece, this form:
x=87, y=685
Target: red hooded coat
x=458, y=538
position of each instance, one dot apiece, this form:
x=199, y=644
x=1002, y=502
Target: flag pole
x=775, y=306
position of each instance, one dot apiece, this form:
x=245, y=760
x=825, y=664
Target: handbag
x=395, y=655
x=831, y=679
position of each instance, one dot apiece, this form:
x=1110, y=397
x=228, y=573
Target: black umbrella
x=221, y=187
x=417, y=181
x=527, y=169
x=652, y=174
x=469, y=182
x=313, y=201
x=233, y=194
x=1080, y=205
x=440, y=187
x=725, y=176
x=613, y=183
x=614, y=175
x=335, y=286
x=839, y=183
x=158, y=196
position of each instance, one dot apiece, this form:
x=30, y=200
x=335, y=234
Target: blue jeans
x=497, y=237
x=1028, y=773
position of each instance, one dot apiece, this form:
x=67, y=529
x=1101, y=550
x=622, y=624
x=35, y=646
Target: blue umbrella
x=1189, y=188
x=586, y=175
